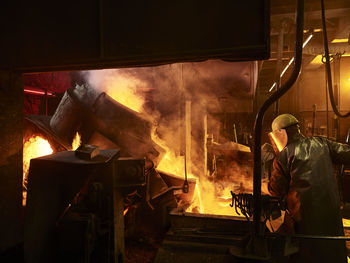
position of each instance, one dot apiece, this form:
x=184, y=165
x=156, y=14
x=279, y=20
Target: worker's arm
x=340, y=152
x=279, y=181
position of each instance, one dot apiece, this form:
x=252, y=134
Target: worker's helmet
x=283, y=121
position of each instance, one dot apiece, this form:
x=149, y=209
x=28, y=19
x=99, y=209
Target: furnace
x=140, y=135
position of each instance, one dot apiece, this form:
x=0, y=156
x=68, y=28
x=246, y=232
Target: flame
x=209, y=197
x=213, y=201
x=213, y=196
x=123, y=89
x=171, y=162
x=196, y=205
x=76, y=141
x=34, y=147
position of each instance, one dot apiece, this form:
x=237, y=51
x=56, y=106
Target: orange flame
x=76, y=141
x=212, y=201
x=34, y=147
x=209, y=197
x=171, y=162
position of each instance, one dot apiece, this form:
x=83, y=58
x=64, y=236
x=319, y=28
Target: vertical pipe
x=260, y=115
x=327, y=110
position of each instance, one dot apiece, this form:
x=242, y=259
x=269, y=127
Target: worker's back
x=304, y=171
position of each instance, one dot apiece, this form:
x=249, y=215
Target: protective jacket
x=303, y=173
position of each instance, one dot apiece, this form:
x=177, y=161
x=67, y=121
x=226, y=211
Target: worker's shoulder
x=321, y=141
x=317, y=138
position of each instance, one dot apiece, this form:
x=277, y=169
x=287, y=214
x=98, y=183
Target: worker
x=303, y=174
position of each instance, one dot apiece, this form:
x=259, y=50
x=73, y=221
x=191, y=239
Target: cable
x=328, y=66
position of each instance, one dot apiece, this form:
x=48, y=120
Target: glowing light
x=313, y=30
x=340, y=40
x=307, y=40
x=288, y=65
x=317, y=60
x=76, y=141
x=126, y=211
x=290, y=62
x=37, y=92
x=346, y=222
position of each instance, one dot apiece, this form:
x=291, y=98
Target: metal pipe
x=327, y=117
x=260, y=115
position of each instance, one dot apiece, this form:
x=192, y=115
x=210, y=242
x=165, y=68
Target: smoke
x=119, y=84
x=159, y=94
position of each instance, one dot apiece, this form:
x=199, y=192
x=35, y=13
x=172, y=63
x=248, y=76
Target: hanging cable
x=328, y=66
